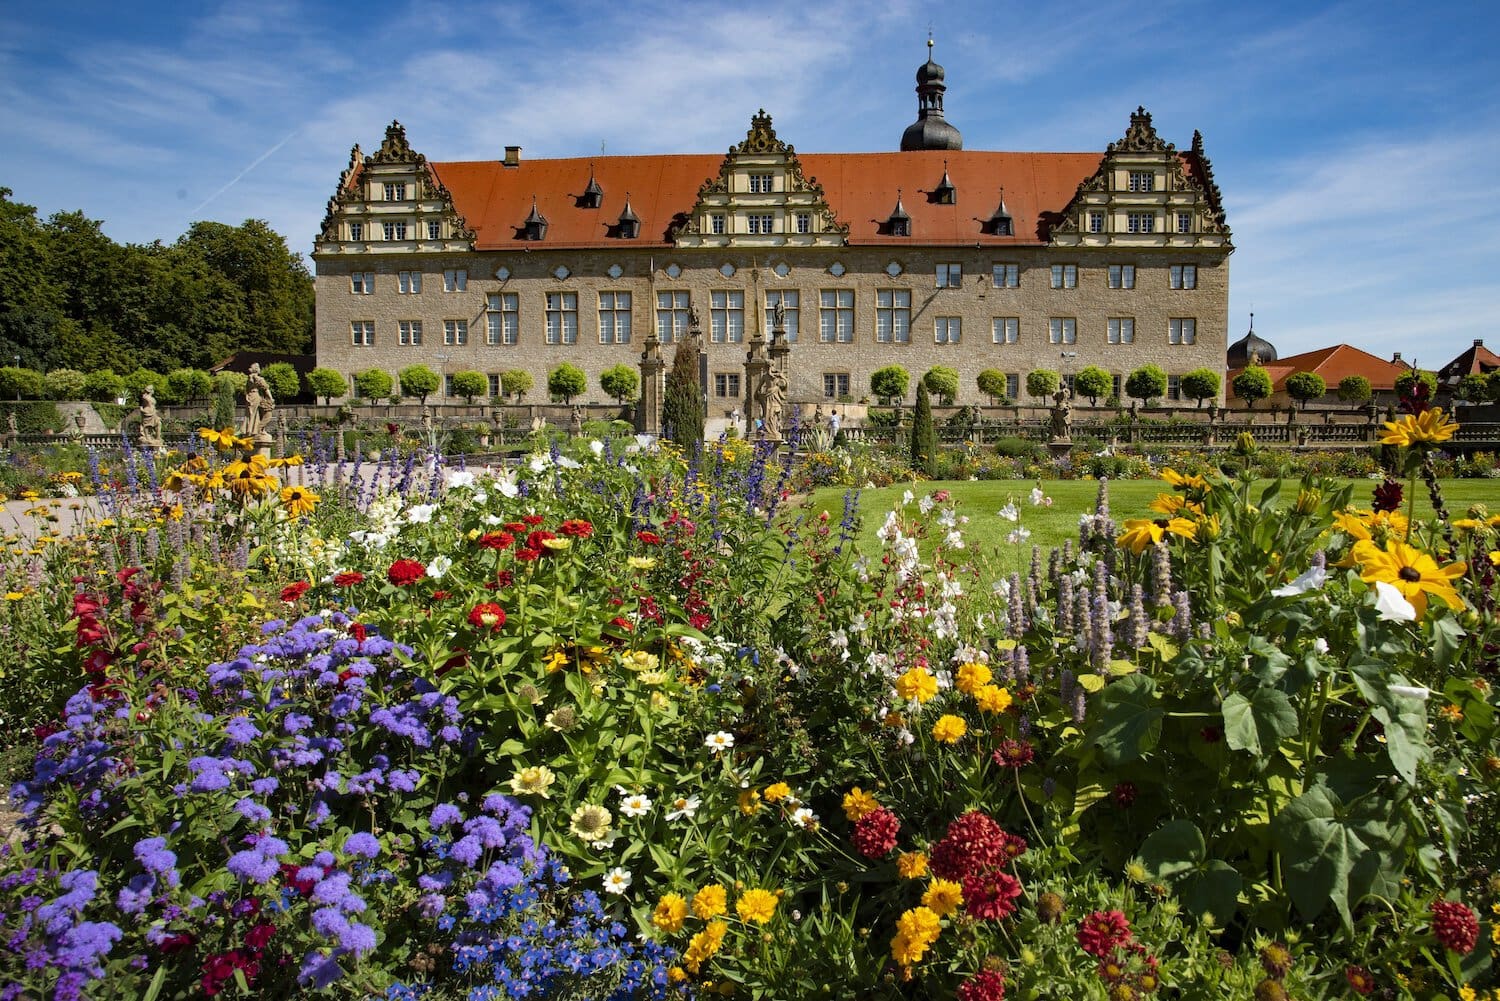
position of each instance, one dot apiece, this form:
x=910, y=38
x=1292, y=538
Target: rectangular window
x=503, y=318
x=1064, y=276
x=835, y=385
x=893, y=315
x=1063, y=330
x=950, y=276
x=494, y=378
x=562, y=317
x=434, y=230
x=1182, y=331
x=1096, y=222
x=362, y=283
x=614, y=317
x=762, y=222
x=760, y=184
x=1122, y=276
x=1142, y=180
x=716, y=224
x=1013, y=385
x=456, y=332
x=791, y=311
x=836, y=316
x=672, y=316
x=727, y=385
x=411, y=332
x=410, y=283
x=1121, y=330
x=1007, y=276
x=726, y=313
x=1006, y=329
x=1140, y=222
x=362, y=333
x=804, y=222
x=394, y=230
x=1184, y=222
x=947, y=329
x=356, y=231
x=448, y=385
x=1184, y=276
x=455, y=280
x=395, y=192
x=1174, y=387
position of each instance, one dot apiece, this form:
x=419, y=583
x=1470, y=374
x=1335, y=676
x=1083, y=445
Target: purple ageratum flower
x=431, y=905
x=358, y=939
x=467, y=849
x=153, y=855
x=82, y=946
x=265, y=787
x=251, y=810
x=296, y=722
x=362, y=844
x=329, y=922
x=252, y=866
x=319, y=970
x=402, y=780
x=444, y=814
x=133, y=898
x=240, y=731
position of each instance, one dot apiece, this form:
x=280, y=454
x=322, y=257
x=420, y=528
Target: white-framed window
x=1140, y=222
x=1096, y=222
x=762, y=222
x=1121, y=330
x=503, y=318
x=1184, y=222
x=1174, y=387
x=727, y=385
x=456, y=332
x=761, y=184
x=716, y=223
x=410, y=332
x=947, y=329
x=1064, y=276
x=726, y=316
x=672, y=314
x=1184, y=276
x=1122, y=276
x=836, y=315
x=835, y=385
x=356, y=231
x=1141, y=180
x=803, y=221
x=950, y=276
x=409, y=282
x=394, y=230
x=1062, y=330
x=1013, y=385
x=1007, y=276
x=893, y=315
x=362, y=333
x=1005, y=329
x=791, y=302
x=614, y=317
x=455, y=280
x=395, y=192
x=362, y=283
x=1182, y=330
x=434, y=230
x=562, y=317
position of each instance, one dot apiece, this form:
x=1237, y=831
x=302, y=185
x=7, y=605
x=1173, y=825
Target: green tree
x=189, y=384
x=1493, y=379
x=103, y=386
x=1201, y=384
x=270, y=285
x=418, y=381
x=1305, y=386
x=329, y=382
x=283, y=380
x=30, y=298
x=137, y=381
x=516, y=383
x=1042, y=382
x=470, y=384
x=1253, y=384
x=1408, y=379
x=1355, y=389
x=374, y=384
x=942, y=382
x=923, y=434
x=1148, y=382
x=1473, y=388
x=235, y=380
x=565, y=382
x=992, y=384
x=64, y=384
x=224, y=395
x=620, y=382
x=682, y=398
x=889, y=384
x=1093, y=382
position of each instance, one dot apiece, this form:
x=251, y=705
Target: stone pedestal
x=648, y=413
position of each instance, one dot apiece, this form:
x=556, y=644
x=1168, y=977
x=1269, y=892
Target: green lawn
x=1049, y=526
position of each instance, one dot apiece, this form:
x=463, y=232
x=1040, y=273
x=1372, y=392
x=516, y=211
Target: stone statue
x=778, y=316
x=426, y=417
x=259, y=403
x=10, y=422
x=150, y=430
x=1062, y=416
x=770, y=395
x=818, y=415
x=575, y=422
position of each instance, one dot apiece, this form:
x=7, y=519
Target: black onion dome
x=1251, y=345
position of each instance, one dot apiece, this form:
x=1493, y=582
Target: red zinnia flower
x=1388, y=496
x=526, y=554
x=991, y=895
x=533, y=519
x=293, y=591
x=515, y=527
x=577, y=528
x=348, y=579
x=535, y=539
x=973, y=843
x=1360, y=981
x=440, y=596
x=1014, y=754
x=487, y=615
x=496, y=540
x=1102, y=932
x=404, y=572
x=875, y=833
x=505, y=578
x=359, y=632
x=986, y=985
x=1455, y=925
x=648, y=538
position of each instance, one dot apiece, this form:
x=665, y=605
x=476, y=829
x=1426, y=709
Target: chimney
x=512, y=156
x=1395, y=356
x=1479, y=342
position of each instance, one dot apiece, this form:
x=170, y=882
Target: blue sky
x=1356, y=143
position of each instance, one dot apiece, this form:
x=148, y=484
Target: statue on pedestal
x=1062, y=416
x=770, y=395
x=259, y=403
x=150, y=428
x=575, y=422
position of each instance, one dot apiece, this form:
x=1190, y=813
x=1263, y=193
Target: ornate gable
x=760, y=198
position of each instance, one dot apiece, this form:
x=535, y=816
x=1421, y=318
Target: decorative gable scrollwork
x=1141, y=136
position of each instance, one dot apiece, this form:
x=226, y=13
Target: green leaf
x=1405, y=736
x=1258, y=723
x=1175, y=848
x=1447, y=640
x=1214, y=889
x=1164, y=647
x=1267, y=662
x=1129, y=723
x=1331, y=854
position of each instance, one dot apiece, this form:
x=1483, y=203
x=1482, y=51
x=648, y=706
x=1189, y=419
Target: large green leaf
x=1405, y=736
x=1176, y=852
x=1129, y=720
x=1173, y=849
x=1335, y=854
x=1257, y=723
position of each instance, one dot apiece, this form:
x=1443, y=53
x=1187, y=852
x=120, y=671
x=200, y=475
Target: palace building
x=932, y=255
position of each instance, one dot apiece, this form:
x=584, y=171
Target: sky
x=1356, y=144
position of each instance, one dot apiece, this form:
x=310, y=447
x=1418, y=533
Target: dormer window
x=394, y=230
x=395, y=192
x=762, y=222
x=760, y=184
x=630, y=223
x=536, y=224
x=899, y=224
x=1001, y=223
x=593, y=195
x=1141, y=180
x=945, y=193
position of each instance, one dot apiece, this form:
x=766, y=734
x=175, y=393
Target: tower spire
x=931, y=130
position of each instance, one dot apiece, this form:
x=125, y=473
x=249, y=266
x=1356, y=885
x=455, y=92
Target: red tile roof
x=1474, y=359
x=1334, y=364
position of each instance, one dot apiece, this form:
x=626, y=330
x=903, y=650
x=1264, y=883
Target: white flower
x=716, y=742
x=1017, y=536
x=616, y=881
x=1320, y=645
x=925, y=505
x=954, y=539
x=1311, y=580
x=906, y=497
x=439, y=566
x=539, y=462
x=635, y=805
x=420, y=513
x=684, y=806
x=804, y=818
x=461, y=478
x=1392, y=604
x=1010, y=512
x=1417, y=692
x=480, y=497
x=1037, y=497
x=597, y=447
x=506, y=483
x=567, y=463
x=890, y=530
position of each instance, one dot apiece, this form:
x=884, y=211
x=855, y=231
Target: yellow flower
x=1466, y=993
x=591, y=823
x=918, y=683
x=916, y=930
x=1431, y=427
x=943, y=896
x=15, y=595
x=777, y=791
x=557, y=545
x=1182, y=527
x=911, y=865
x=1181, y=482
x=1410, y=571
x=758, y=906
x=222, y=441
x=992, y=699
x=857, y=803
x=710, y=902
x=298, y=501
x=535, y=780
x=291, y=460
x=1171, y=505
x=949, y=729
x=749, y=802
x=972, y=676
x=1139, y=535
x=641, y=562
x=702, y=946
x=676, y=974
x=29, y=495
x=671, y=912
